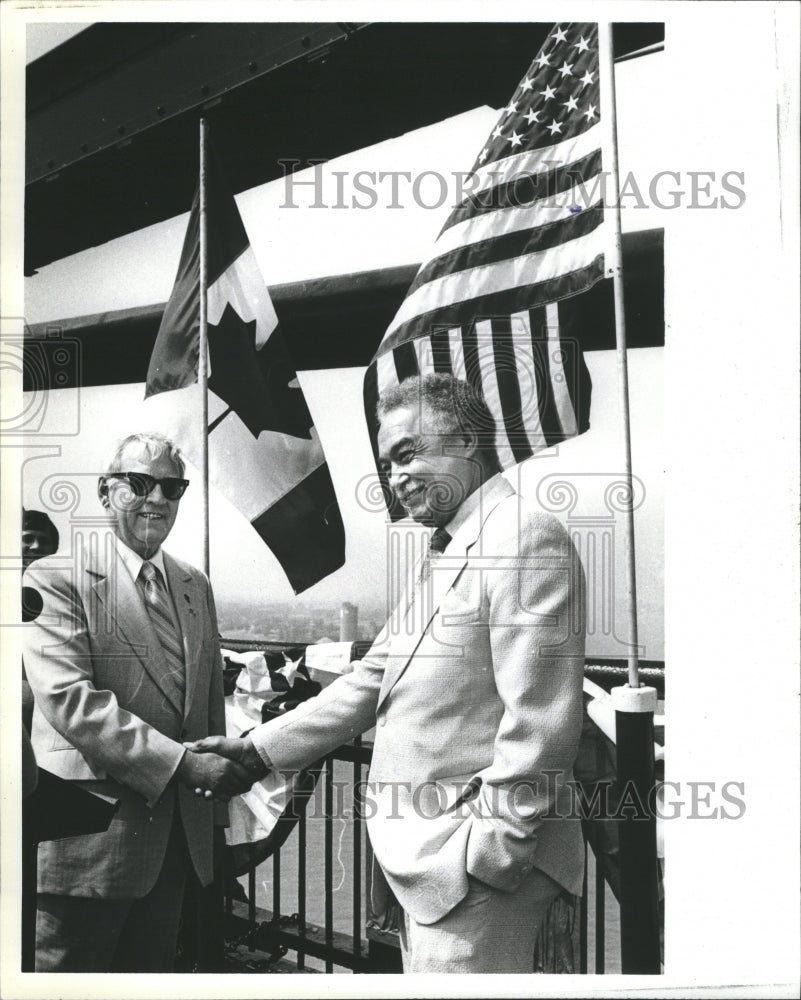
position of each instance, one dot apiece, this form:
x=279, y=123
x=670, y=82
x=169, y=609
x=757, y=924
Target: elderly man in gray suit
x=474, y=687
x=124, y=662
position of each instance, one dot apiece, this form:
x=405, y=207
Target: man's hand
x=213, y=775
x=240, y=750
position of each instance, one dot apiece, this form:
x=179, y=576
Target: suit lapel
x=125, y=612
x=186, y=597
x=424, y=606
x=427, y=600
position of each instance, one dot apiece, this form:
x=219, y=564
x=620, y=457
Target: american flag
x=496, y=301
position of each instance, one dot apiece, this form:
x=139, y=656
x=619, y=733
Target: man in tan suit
x=474, y=687
x=124, y=663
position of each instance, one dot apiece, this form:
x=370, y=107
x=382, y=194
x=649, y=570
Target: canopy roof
x=111, y=132
x=333, y=322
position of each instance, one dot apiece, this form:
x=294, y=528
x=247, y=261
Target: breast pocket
x=455, y=629
x=455, y=611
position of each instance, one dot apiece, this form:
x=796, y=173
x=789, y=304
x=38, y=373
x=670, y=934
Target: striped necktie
x=158, y=606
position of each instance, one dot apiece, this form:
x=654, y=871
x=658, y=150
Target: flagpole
x=615, y=265
x=634, y=704
x=203, y=353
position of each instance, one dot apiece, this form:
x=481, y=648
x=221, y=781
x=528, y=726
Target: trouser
x=488, y=931
x=86, y=934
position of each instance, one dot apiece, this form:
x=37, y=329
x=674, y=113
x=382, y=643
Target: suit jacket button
x=382, y=721
x=184, y=734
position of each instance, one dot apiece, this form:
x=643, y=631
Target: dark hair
x=459, y=405
x=37, y=520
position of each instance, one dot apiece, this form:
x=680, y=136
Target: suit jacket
x=107, y=717
x=477, y=703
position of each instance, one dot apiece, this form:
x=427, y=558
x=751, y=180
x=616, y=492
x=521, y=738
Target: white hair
x=154, y=446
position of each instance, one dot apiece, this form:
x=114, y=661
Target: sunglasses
x=142, y=484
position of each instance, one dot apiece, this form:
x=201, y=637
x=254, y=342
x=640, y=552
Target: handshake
x=219, y=767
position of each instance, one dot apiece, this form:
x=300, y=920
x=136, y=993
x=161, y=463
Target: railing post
x=639, y=902
x=251, y=901
x=600, y=920
x=329, y=861
x=357, y=859
x=583, y=916
x=302, y=890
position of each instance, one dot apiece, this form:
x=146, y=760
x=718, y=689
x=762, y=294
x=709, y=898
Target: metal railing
x=274, y=932
x=260, y=938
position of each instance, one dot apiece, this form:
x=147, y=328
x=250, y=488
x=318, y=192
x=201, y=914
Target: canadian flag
x=264, y=452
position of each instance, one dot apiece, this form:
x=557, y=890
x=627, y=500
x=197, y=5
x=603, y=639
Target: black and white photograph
x=399, y=536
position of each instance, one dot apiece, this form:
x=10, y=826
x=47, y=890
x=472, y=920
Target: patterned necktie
x=158, y=606
x=436, y=546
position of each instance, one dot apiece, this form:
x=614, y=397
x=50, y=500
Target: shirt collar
x=133, y=561
x=481, y=495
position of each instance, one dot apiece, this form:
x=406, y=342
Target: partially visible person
x=39, y=539
x=124, y=662
x=39, y=536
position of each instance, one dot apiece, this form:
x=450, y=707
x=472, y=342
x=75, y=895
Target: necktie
x=436, y=546
x=158, y=606
x=439, y=541
x=419, y=596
